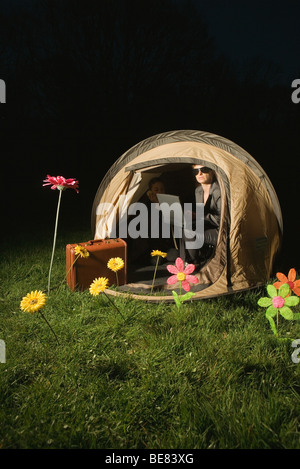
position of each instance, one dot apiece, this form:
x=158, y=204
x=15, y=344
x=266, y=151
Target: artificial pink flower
x=61, y=183
x=182, y=274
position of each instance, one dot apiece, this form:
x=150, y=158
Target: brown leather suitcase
x=81, y=274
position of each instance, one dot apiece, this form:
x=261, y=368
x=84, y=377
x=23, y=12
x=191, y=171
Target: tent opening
x=177, y=179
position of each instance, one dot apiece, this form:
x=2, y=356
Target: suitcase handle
x=94, y=241
x=99, y=241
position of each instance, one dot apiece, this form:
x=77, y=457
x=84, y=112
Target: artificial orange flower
x=290, y=280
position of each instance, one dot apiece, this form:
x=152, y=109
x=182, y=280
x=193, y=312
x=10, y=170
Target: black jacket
x=212, y=208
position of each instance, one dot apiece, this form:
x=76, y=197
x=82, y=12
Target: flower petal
x=265, y=301
x=172, y=269
x=271, y=291
x=277, y=285
x=292, y=301
x=179, y=264
x=271, y=311
x=286, y=313
x=284, y=290
x=283, y=278
x=171, y=280
x=192, y=279
x=189, y=269
x=185, y=285
x=296, y=288
x=292, y=275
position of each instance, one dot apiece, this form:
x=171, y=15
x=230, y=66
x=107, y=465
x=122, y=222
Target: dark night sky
x=266, y=29
x=82, y=89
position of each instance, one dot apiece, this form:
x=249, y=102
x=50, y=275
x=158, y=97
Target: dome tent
x=251, y=221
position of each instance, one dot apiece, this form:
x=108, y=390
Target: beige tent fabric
x=251, y=217
x=189, y=136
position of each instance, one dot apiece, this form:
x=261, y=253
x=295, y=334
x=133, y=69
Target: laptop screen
x=172, y=209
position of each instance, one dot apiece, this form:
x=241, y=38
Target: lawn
x=210, y=375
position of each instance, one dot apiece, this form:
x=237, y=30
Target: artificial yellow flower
x=98, y=286
x=33, y=301
x=115, y=264
x=158, y=253
x=81, y=251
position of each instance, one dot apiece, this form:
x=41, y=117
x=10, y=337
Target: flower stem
x=54, y=240
x=107, y=296
x=154, y=274
x=117, y=278
x=77, y=257
x=49, y=326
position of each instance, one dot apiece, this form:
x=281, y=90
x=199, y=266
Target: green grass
x=211, y=375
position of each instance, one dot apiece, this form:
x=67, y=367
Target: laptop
x=174, y=213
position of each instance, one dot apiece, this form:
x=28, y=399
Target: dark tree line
x=88, y=79
x=71, y=64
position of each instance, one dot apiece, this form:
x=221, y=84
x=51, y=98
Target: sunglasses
x=204, y=170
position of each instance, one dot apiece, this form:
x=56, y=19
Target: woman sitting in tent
x=207, y=192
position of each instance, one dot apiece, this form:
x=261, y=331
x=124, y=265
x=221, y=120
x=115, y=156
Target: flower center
x=278, y=301
x=291, y=284
x=180, y=276
x=33, y=302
